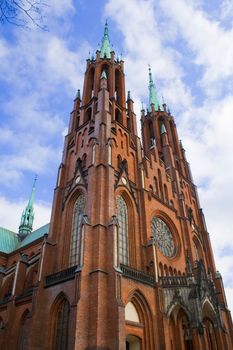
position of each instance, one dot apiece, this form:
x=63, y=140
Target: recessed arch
x=60, y=314
x=137, y=298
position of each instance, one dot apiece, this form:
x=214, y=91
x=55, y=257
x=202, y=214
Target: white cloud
x=11, y=212
x=208, y=40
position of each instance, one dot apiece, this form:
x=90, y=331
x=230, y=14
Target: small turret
x=27, y=217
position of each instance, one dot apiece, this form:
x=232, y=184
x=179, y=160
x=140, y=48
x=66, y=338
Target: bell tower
x=127, y=263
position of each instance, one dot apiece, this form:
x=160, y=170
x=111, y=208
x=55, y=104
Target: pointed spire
x=153, y=99
x=78, y=95
x=129, y=96
x=105, y=51
x=27, y=217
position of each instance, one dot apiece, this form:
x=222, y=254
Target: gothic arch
x=59, y=322
x=174, y=308
x=118, y=93
x=124, y=193
x=208, y=311
x=68, y=222
x=90, y=85
x=107, y=68
x=137, y=298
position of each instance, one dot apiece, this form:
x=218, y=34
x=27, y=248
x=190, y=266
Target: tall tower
x=127, y=264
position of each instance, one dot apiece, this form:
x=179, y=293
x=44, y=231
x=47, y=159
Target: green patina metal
x=105, y=51
x=27, y=217
x=9, y=240
x=153, y=99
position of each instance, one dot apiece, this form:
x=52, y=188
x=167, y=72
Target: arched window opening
x=166, y=194
x=87, y=115
x=156, y=185
x=76, y=233
x=118, y=116
x=160, y=184
x=175, y=272
x=77, y=120
x=184, y=329
x=166, y=270
x=61, y=326
x=170, y=271
x=118, y=87
x=151, y=133
x=161, y=272
x=90, y=85
x=123, y=244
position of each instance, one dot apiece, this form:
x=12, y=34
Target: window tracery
x=76, y=233
x=122, y=215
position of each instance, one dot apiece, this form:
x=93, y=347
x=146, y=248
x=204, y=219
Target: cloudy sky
x=189, y=46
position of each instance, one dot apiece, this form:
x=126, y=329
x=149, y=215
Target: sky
x=188, y=44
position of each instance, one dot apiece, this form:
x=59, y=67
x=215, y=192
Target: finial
x=129, y=96
x=78, y=95
x=153, y=99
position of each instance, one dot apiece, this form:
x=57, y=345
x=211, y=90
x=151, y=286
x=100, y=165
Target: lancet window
x=62, y=326
x=122, y=216
x=76, y=233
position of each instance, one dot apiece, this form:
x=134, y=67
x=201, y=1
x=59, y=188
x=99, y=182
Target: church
x=126, y=261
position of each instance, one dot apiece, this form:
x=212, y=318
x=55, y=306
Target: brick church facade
x=126, y=262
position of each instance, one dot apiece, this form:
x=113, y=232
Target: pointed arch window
x=62, y=326
x=123, y=244
x=76, y=233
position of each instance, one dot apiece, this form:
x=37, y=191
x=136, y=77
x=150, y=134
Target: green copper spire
x=28, y=215
x=105, y=51
x=152, y=93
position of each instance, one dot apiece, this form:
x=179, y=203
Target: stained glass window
x=122, y=215
x=76, y=233
x=62, y=326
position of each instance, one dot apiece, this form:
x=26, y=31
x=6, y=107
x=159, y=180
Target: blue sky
x=189, y=46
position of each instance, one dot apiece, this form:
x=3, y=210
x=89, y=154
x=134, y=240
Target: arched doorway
x=210, y=334
x=133, y=342
x=180, y=330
